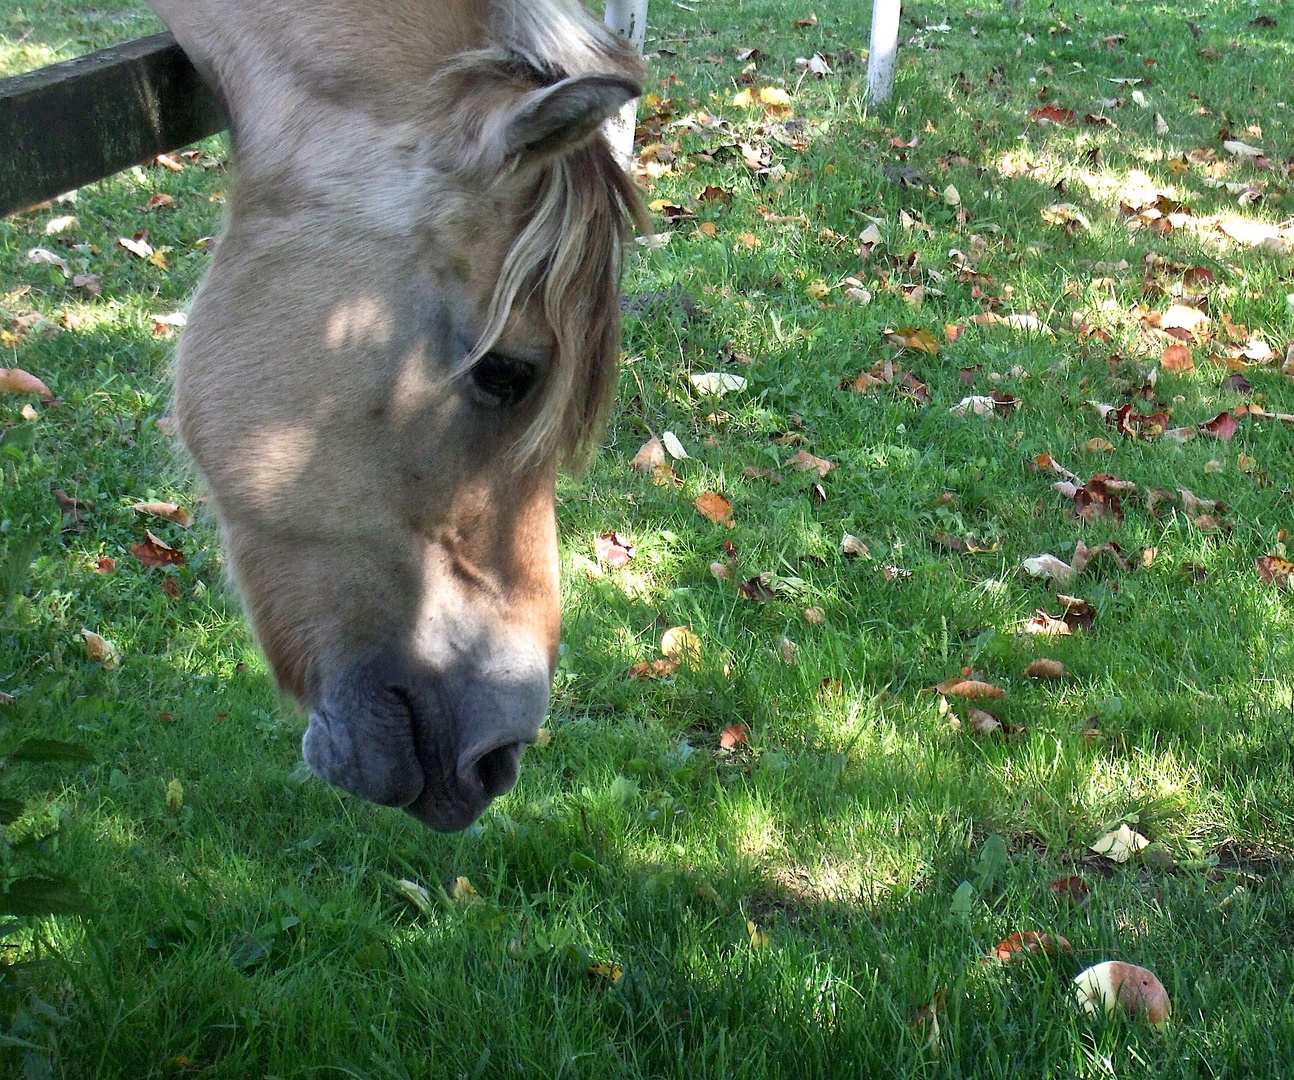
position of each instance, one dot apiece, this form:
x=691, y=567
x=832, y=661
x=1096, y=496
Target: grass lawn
x=649, y=902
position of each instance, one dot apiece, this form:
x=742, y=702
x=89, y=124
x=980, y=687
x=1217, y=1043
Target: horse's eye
x=504, y=380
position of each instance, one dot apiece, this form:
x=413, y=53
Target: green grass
x=258, y=931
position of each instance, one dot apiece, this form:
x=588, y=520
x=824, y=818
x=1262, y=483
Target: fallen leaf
x=1223, y=426
x=174, y=797
x=983, y=723
x=715, y=508
x=759, y=939
x=1067, y=215
x=679, y=643
x=1276, y=570
x=960, y=686
x=462, y=891
x=673, y=446
x=613, y=549
x=90, y=284
x=1177, y=359
x=654, y=669
x=1119, y=845
x=650, y=454
x=415, y=894
x=1047, y=625
x=808, y=20
x=1043, y=668
x=813, y=616
x=1098, y=446
x=17, y=381
x=171, y=587
x=169, y=511
x=912, y=337
x=137, y=245
x=1049, y=567
x=804, y=461
x=45, y=257
x=1052, y=114
x=611, y=973
x=100, y=650
x=1073, y=888
x=157, y=201
x=1107, y=988
x=154, y=551
x=722, y=571
x=853, y=547
x=718, y=383
x=732, y=736
x=106, y=565
x=774, y=95
x=1029, y=941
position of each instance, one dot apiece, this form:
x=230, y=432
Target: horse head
x=409, y=324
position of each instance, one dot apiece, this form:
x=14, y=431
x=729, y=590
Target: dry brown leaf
x=983, y=723
x=961, y=686
x=1072, y=888
x=154, y=551
x=852, y=546
x=654, y=669
x=814, y=616
x=1043, y=668
x=732, y=736
x=1029, y=941
x=755, y=589
x=100, y=650
x=1276, y=570
x=1045, y=624
x=650, y=454
x=182, y=516
x=804, y=461
x=1178, y=359
x=17, y=381
x=105, y=565
x=715, y=508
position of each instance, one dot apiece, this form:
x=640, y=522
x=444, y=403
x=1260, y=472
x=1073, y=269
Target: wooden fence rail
x=71, y=123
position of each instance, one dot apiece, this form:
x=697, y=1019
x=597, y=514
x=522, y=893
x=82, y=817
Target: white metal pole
x=884, y=51
x=628, y=18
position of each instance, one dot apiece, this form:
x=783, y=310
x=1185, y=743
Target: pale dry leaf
x=182, y=516
x=45, y=257
x=672, y=445
x=853, y=547
x=99, y=649
x=650, y=454
x=1049, y=567
x=717, y=383
x=714, y=507
x=1119, y=845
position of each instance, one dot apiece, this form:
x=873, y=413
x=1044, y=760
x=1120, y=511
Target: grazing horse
x=410, y=322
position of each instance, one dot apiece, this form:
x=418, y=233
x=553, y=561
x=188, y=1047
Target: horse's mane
x=573, y=244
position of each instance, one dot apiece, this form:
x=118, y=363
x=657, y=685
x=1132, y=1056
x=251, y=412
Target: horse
x=409, y=324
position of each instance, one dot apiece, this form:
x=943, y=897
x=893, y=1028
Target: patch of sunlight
x=1151, y=776
x=749, y=824
x=17, y=58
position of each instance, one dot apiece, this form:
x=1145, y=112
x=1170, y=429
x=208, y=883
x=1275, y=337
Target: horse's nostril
x=498, y=769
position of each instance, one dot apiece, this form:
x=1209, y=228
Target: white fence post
x=884, y=51
x=628, y=18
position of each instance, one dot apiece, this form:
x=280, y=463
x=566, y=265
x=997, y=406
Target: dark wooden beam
x=70, y=123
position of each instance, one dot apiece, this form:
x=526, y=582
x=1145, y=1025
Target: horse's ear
x=561, y=116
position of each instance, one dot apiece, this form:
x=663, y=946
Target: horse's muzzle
x=442, y=745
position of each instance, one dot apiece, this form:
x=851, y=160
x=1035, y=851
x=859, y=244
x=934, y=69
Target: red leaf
x=155, y=551
x=1222, y=426
x=613, y=549
x=1052, y=114
x=733, y=735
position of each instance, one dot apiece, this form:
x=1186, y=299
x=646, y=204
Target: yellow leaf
x=744, y=99
x=817, y=289
x=682, y=645
x=174, y=797
x=100, y=650
x=463, y=891
x=774, y=95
